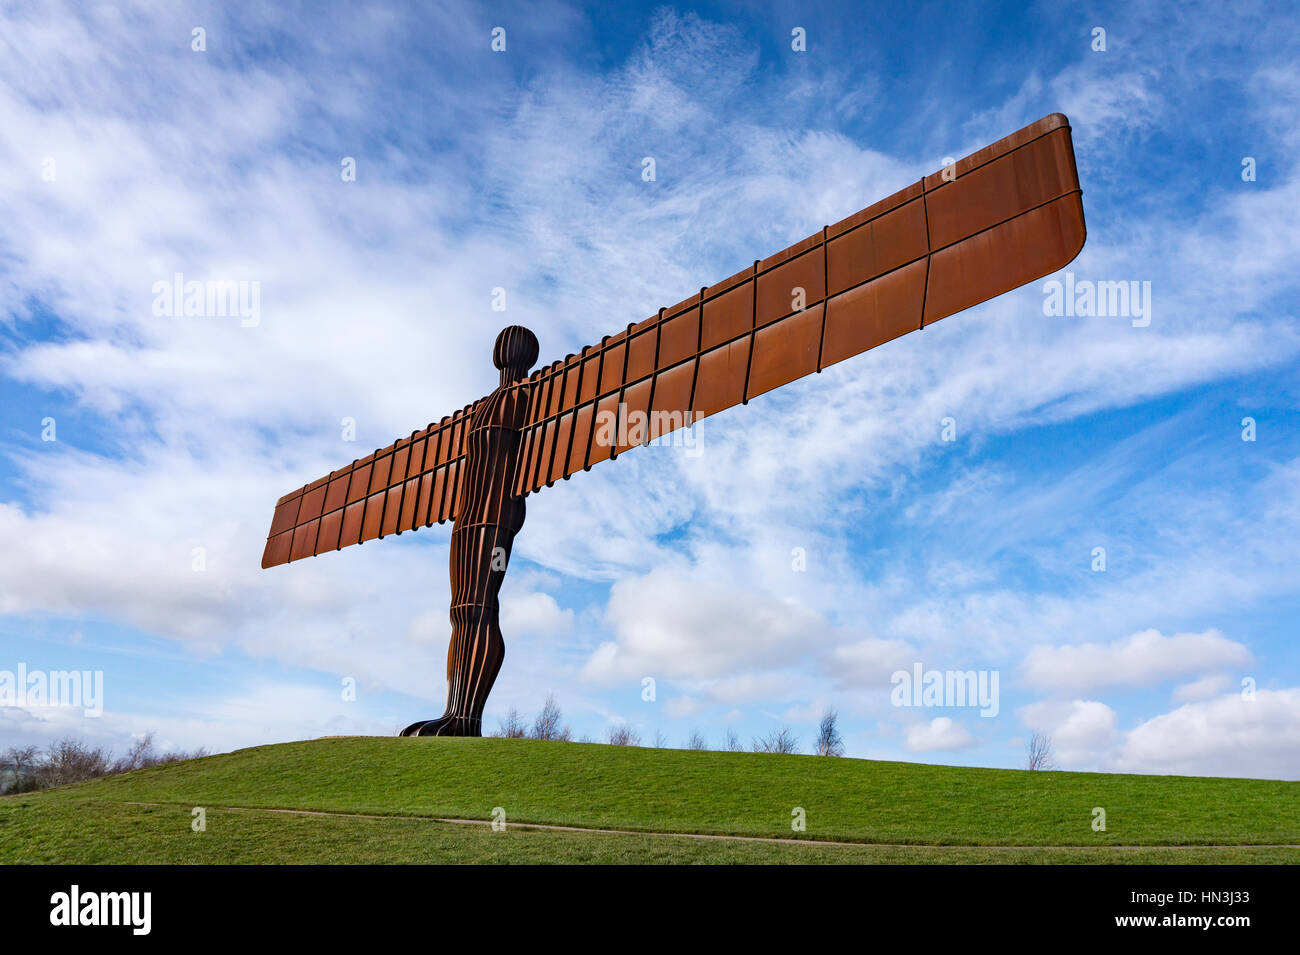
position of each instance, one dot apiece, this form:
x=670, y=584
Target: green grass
x=924, y=808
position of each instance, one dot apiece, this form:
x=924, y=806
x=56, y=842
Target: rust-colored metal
x=1003, y=216
x=488, y=519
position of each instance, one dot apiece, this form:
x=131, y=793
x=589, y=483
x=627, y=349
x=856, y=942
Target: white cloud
x=1141, y=659
x=1081, y=731
x=1227, y=736
x=941, y=733
x=429, y=627
x=265, y=711
x=534, y=614
x=680, y=706
x=805, y=713
x=671, y=624
x=869, y=662
x=1202, y=689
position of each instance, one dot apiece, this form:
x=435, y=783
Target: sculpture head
x=514, y=353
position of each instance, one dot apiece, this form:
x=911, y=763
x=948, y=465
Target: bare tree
x=778, y=741
x=512, y=727
x=21, y=762
x=140, y=755
x=1038, y=752
x=547, y=724
x=622, y=734
x=72, y=761
x=733, y=742
x=661, y=741
x=829, y=742
x=696, y=741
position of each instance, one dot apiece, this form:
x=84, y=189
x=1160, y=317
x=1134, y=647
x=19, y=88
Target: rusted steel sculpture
x=991, y=222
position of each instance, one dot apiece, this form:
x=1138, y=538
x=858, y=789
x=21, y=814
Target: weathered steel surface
x=489, y=518
x=1001, y=217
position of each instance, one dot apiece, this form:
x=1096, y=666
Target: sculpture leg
x=479, y=556
x=474, y=659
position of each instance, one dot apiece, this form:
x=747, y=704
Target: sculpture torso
x=492, y=454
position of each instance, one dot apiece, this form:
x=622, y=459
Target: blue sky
x=521, y=169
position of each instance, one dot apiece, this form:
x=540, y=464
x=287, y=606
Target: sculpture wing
x=997, y=219
x=413, y=482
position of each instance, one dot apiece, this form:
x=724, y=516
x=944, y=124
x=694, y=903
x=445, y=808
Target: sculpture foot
x=445, y=726
x=415, y=728
x=451, y=726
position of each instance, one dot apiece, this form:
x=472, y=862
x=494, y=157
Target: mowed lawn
x=914, y=813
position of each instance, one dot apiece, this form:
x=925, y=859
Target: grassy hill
x=381, y=799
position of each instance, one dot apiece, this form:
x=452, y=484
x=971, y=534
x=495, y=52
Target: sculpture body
x=490, y=516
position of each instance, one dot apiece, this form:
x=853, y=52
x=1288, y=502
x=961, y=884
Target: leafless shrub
x=733, y=742
x=623, y=735
x=1038, y=752
x=547, y=725
x=512, y=727
x=696, y=741
x=72, y=761
x=19, y=764
x=661, y=741
x=142, y=755
x=778, y=741
x=829, y=741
